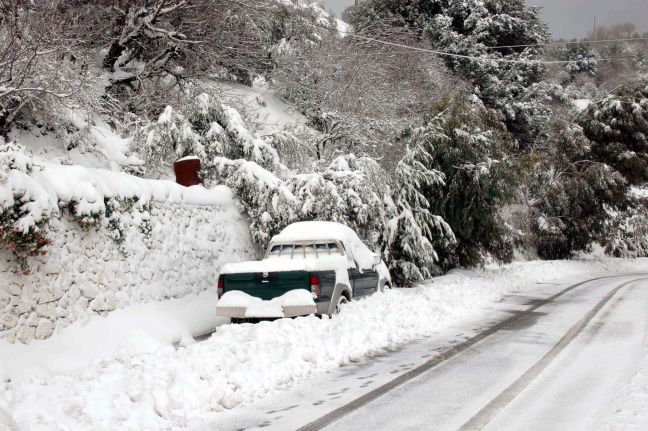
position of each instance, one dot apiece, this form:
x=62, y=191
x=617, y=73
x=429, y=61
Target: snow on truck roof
x=327, y=231
x=317, y=231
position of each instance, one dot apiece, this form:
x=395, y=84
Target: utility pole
x=593, y=33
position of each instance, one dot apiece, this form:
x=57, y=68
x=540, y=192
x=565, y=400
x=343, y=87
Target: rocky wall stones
x=87, y=272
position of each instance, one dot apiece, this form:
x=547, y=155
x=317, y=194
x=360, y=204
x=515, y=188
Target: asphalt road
x=554, y=366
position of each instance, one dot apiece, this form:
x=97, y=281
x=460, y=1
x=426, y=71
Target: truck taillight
x=219, y=289
x=315, y=286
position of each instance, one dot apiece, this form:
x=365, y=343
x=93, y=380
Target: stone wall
x=88, y=271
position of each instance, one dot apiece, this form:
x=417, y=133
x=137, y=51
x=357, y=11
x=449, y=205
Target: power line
x=583, y=42
x=469, y=57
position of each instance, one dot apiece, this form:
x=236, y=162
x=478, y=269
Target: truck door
x=365, y=281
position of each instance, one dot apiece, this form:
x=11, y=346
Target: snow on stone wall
x=86, y=271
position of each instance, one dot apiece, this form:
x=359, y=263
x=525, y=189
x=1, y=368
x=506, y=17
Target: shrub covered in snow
x=24, y=205
x=468, y=145
x=348, y=191
x=342, y=192
x=264, y=198
x=629, y=231
x=413, y=234
x=167, y=140
x=581, y=59
x=209, y=130
x=618, y=129
x=572, y=195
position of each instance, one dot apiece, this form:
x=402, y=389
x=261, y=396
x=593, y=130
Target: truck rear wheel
x=342, y=301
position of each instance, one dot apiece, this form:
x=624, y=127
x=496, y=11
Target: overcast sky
x=570, y=18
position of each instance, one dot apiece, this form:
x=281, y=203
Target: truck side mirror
x=375, y=259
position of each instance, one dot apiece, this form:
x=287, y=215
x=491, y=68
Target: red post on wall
x=187, y=171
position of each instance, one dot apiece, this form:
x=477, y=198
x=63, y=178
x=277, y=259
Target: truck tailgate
x=266, y=285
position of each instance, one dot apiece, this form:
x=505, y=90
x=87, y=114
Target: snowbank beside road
x=242, y=363
x=136, y=329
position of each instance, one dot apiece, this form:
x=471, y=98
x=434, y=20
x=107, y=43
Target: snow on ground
x=629, y=409
x=262, y=109
x=139, y=328
x=171, y=388
x=100, y=147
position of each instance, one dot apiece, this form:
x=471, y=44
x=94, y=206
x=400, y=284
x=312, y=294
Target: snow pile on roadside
x=138, y=328
x=242, y=363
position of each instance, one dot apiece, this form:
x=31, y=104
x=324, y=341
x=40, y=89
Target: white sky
x=570, y=18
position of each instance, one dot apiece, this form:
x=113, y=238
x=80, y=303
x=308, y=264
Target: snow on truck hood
x=285, y=263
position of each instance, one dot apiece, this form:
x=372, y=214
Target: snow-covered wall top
x=112, y=239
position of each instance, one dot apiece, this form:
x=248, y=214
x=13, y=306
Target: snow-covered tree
x=413, y=234
x=468, y=145
x=572, y=195
x=629, y=231
x=360, y=95
x=487, y=31
x=40, y=62
x=581, y=57
x=347, y=191
x=264, y=198
x=168, y=139
x=618, y=128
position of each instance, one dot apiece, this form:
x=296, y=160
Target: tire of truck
x=341, y=302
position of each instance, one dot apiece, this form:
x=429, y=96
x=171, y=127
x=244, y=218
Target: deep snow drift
x=172, y=387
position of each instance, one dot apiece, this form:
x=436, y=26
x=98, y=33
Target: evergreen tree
x=413, y=234
x=572, y=195
x=468, y=145
x=629, y=231
x=618, y=129
x=581, y=59
x=167, y=140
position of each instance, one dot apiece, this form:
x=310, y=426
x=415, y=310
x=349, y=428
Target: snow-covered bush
x=571, y=195
x=342, y=192
x=247, y=145
x=618, y=129
x=413, y=234
x=347, y=191
x=207, y=129
x=581, y=59
x=24, y=205
x=629, y=232
x=468, y=144
x=121, y=213
x=264, y=198
x=168, y=139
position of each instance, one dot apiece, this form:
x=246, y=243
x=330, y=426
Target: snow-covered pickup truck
x=309, y=268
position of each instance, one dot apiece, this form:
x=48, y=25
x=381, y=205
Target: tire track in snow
x=444, y=356
x=486, y=414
